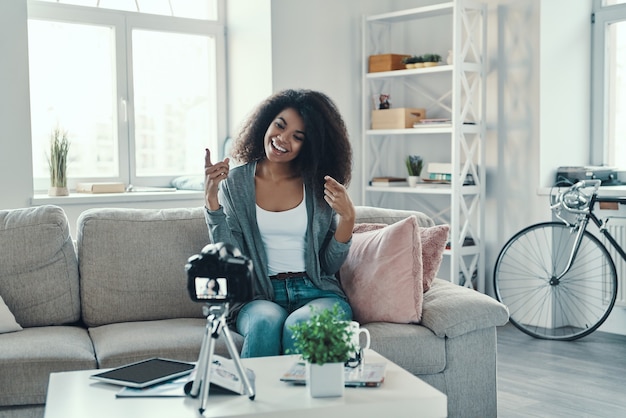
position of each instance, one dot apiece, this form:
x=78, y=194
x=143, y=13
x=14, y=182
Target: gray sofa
x=118, y=294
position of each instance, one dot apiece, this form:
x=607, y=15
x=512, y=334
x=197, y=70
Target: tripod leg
x=234, y=354
x=202, y=359
x=206, y=383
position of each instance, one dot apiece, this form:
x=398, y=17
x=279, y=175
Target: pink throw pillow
x=434, y=241
x=382, y=275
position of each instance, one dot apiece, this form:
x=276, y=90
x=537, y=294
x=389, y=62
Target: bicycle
x=558, y=279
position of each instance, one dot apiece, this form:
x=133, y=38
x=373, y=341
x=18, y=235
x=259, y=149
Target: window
x=196, y=9
x=608, y=85
x=140, y=94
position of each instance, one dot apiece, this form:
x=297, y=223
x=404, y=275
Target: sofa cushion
x=132, y=263
x=413, y=347
x=188, y=182
x=382, y=275
x=450, y=310
x=370, y=214
x=433, y=240
x=38, y=266
x=7, y=319
x=28, y=357
x=180, y=339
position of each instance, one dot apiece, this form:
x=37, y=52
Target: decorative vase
x=450, y=59
x=326, y=380
x=412, y=180
x=58, y=191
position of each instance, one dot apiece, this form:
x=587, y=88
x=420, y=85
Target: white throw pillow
x=7, y=320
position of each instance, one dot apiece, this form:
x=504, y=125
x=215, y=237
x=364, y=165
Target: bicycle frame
x=584, y=216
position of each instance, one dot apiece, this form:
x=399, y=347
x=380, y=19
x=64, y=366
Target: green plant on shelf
x=414, y=165
x=414, y=59
x=431, y=58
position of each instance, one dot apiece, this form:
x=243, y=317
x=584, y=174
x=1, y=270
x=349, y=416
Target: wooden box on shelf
x=399, y=118
x=386, y=62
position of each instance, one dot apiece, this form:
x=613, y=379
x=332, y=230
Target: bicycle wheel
x=541, y=304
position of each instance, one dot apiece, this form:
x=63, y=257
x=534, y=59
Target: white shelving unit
x=455, y=91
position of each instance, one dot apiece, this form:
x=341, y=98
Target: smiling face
x=285, y=136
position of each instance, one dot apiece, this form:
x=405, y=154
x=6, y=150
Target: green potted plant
x=414, y=165
x=413, y=61
x=325, y=343
x=431, y=60
x=57, y=162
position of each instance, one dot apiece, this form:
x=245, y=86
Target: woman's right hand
x=213, y=174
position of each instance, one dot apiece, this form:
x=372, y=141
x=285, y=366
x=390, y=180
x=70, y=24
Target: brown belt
x=288, y=275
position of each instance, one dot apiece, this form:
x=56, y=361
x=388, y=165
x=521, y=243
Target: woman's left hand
x=337, y=198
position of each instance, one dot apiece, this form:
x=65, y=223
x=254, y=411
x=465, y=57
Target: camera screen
x=210, y=288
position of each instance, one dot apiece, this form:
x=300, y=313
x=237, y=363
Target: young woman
x=286, y=208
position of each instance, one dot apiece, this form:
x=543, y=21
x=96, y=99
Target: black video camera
x=219, y=274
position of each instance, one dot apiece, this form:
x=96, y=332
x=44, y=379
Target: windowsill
x=619, y=190
x=127, y=197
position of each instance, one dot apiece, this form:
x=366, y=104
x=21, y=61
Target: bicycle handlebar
x=574, y=199
x=582, y=184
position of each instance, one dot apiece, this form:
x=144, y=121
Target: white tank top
x=283, y=235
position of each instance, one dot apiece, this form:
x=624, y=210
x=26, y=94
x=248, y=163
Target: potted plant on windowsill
x=414, y=165
x=57, y=162
x=325, y=343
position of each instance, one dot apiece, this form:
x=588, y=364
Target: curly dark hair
x=326, y=149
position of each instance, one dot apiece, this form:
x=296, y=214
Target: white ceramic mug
x=355, y=331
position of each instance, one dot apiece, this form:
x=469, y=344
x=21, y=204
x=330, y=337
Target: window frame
x=602, y=16
x=124, y=23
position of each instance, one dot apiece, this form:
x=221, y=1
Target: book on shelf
x=439, y=122
x=386, y=184
x=442, y=172
x=439, y=168
x=113, y=187
x=388, y=181
x=440, y=176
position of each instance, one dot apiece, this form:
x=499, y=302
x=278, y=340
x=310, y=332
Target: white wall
x=317, y=45
x=16, y=183
x=564, y=80
x=249, y=40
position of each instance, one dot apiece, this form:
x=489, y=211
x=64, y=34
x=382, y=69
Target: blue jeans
x=265, y=324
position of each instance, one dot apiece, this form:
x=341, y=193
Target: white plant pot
x=325, y=380
x=412, y=180
x=58, y=191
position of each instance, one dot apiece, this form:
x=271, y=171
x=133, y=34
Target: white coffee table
x=74, y=394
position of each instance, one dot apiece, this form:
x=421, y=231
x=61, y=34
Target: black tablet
x=145, y=373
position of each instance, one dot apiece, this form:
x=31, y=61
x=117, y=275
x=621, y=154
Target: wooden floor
x=583, y=378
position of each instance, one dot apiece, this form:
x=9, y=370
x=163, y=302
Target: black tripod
x=216, y=322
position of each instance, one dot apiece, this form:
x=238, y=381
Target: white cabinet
x=453, y=91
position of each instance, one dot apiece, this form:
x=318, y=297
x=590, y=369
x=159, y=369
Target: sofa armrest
x=450, y=310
